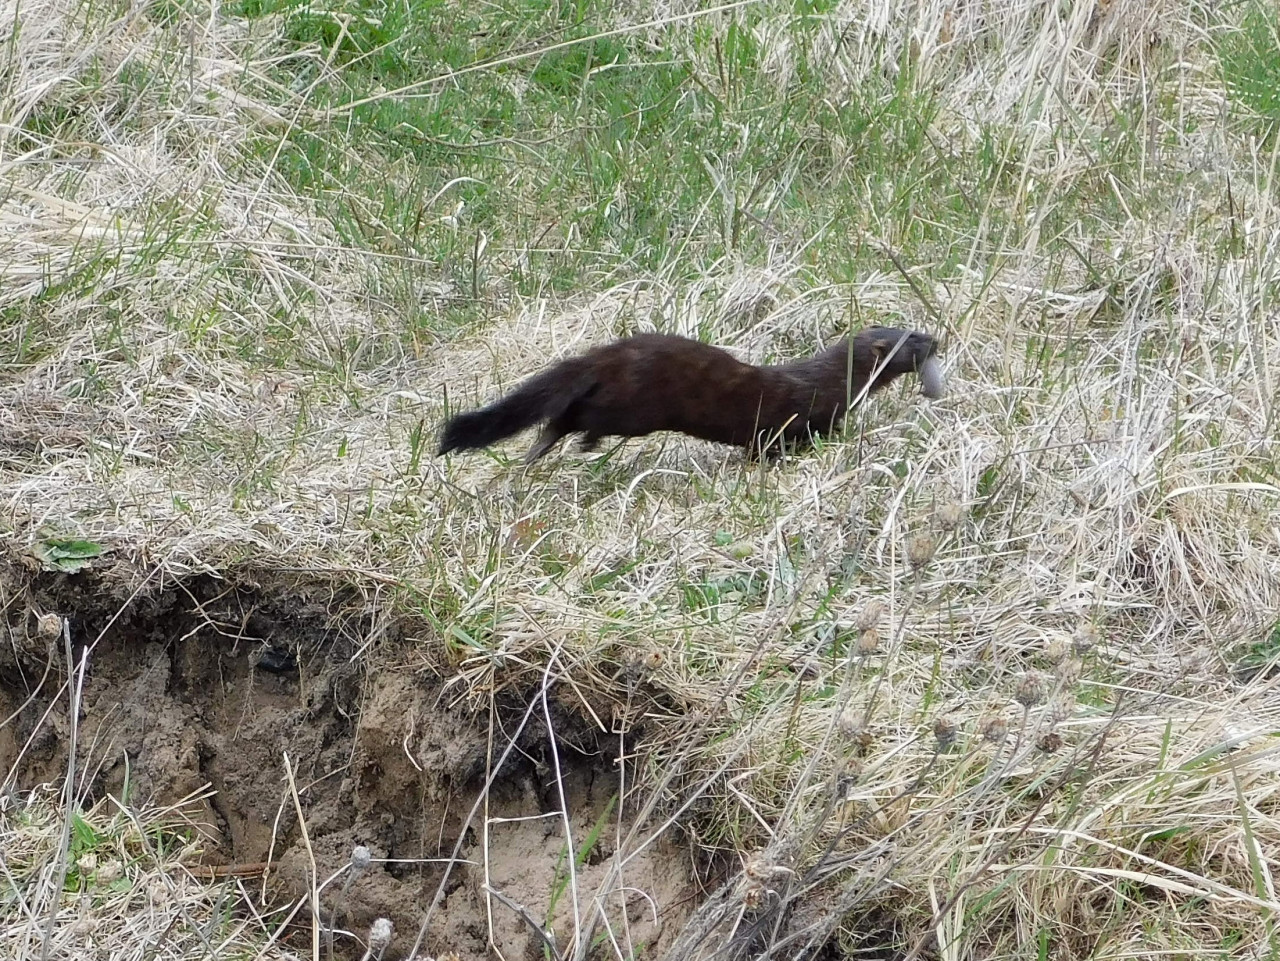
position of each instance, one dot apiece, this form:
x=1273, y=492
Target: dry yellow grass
x=1048, y=748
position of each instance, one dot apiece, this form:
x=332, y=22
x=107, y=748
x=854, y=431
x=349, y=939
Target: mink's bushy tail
x=542, y=397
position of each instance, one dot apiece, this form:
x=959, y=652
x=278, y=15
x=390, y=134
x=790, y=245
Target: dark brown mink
x=652, y=382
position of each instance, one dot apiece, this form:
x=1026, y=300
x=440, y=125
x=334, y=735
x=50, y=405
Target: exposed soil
x=211, y=682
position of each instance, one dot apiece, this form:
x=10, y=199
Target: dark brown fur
x=652, y=382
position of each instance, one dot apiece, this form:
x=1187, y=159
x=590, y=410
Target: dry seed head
x=994, y=729
x=1086, y=639
x=1056, y=650
x=1049, y=742
x=109, y=872
x=850, y=725
x=1070, y=671
x=83, y=927
x=1059, y=709
x=1030, y=690
x=869, y=641
x=949, y=516
x=920, y=549
x=380, y=933
x=849, y=779
x=360, y=859
x=871, y=614
x=758, y=868
x=944, y=731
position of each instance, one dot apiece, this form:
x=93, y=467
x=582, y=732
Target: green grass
x=1250, y=60
x=608, y=159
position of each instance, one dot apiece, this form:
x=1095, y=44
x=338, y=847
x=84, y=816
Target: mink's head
x=893, y=351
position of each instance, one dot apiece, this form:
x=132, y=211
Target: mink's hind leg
x=766, y=446
x=548, y=439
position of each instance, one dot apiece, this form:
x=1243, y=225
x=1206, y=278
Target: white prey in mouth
x=931, y=383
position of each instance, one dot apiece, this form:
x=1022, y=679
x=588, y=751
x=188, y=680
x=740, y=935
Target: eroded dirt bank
x=206, y=682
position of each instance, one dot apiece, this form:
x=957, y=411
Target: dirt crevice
x=178, y=696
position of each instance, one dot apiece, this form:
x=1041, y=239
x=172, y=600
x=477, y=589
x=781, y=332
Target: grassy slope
x=246, y=259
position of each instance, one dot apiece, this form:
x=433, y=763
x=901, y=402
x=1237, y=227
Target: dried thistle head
x=994, y=729
x=945, y=730
x=871, y=614
x=853, y=729
x=1030, y=691
x=360, y=859
x=639, y=665
x=920, y=549
x=948, y=516
x=1056, y=650
x=1086, y=639
x=380, y=933
x=1059, y=709
x=1049, y=741
x=868, y=641
x=1070, y=671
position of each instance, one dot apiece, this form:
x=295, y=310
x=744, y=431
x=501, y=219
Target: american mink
x=651, y=382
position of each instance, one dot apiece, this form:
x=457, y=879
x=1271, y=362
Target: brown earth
x=206, y=681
